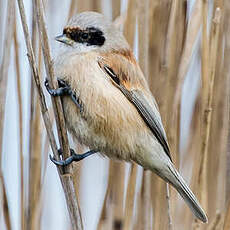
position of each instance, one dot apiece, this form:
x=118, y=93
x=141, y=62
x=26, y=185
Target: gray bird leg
x=63, y=90
x=73, y=157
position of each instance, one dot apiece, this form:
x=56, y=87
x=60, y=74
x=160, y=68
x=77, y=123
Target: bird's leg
x=73, y=157
x=63, y=90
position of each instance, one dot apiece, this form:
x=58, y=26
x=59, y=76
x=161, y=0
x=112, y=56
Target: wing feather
x=138, y=99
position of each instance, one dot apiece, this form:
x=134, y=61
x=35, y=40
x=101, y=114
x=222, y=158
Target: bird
x=107, y=103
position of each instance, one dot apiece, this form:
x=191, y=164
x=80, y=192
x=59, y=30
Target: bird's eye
x=72, y=35
x=84, y=36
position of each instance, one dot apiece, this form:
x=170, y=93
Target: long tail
x=185, y=192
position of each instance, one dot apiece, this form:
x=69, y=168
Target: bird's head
x=90, y=31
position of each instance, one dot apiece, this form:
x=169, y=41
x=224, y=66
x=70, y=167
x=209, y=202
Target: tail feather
x=185, y=192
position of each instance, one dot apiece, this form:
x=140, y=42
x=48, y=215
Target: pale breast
x=109, y=122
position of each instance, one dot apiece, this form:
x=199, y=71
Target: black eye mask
x=90, y=36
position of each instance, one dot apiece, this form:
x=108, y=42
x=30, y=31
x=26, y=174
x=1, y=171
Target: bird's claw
x=73, y=157
x=64, y=90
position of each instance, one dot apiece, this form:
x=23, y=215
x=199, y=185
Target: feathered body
x=109, y=121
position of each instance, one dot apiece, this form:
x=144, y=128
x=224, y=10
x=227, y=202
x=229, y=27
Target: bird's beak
x=64, y=39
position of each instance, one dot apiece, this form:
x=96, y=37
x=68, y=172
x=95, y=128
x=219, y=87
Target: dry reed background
x=177, y=40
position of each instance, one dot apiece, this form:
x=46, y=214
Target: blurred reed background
x=183, y=48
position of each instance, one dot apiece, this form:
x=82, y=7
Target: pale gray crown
x=114, y=39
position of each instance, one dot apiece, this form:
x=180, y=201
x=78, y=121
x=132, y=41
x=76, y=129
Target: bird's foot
x=73, y=157
x=63, y=90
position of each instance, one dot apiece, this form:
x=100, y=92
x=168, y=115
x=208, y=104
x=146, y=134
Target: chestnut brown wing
x=137, y=98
